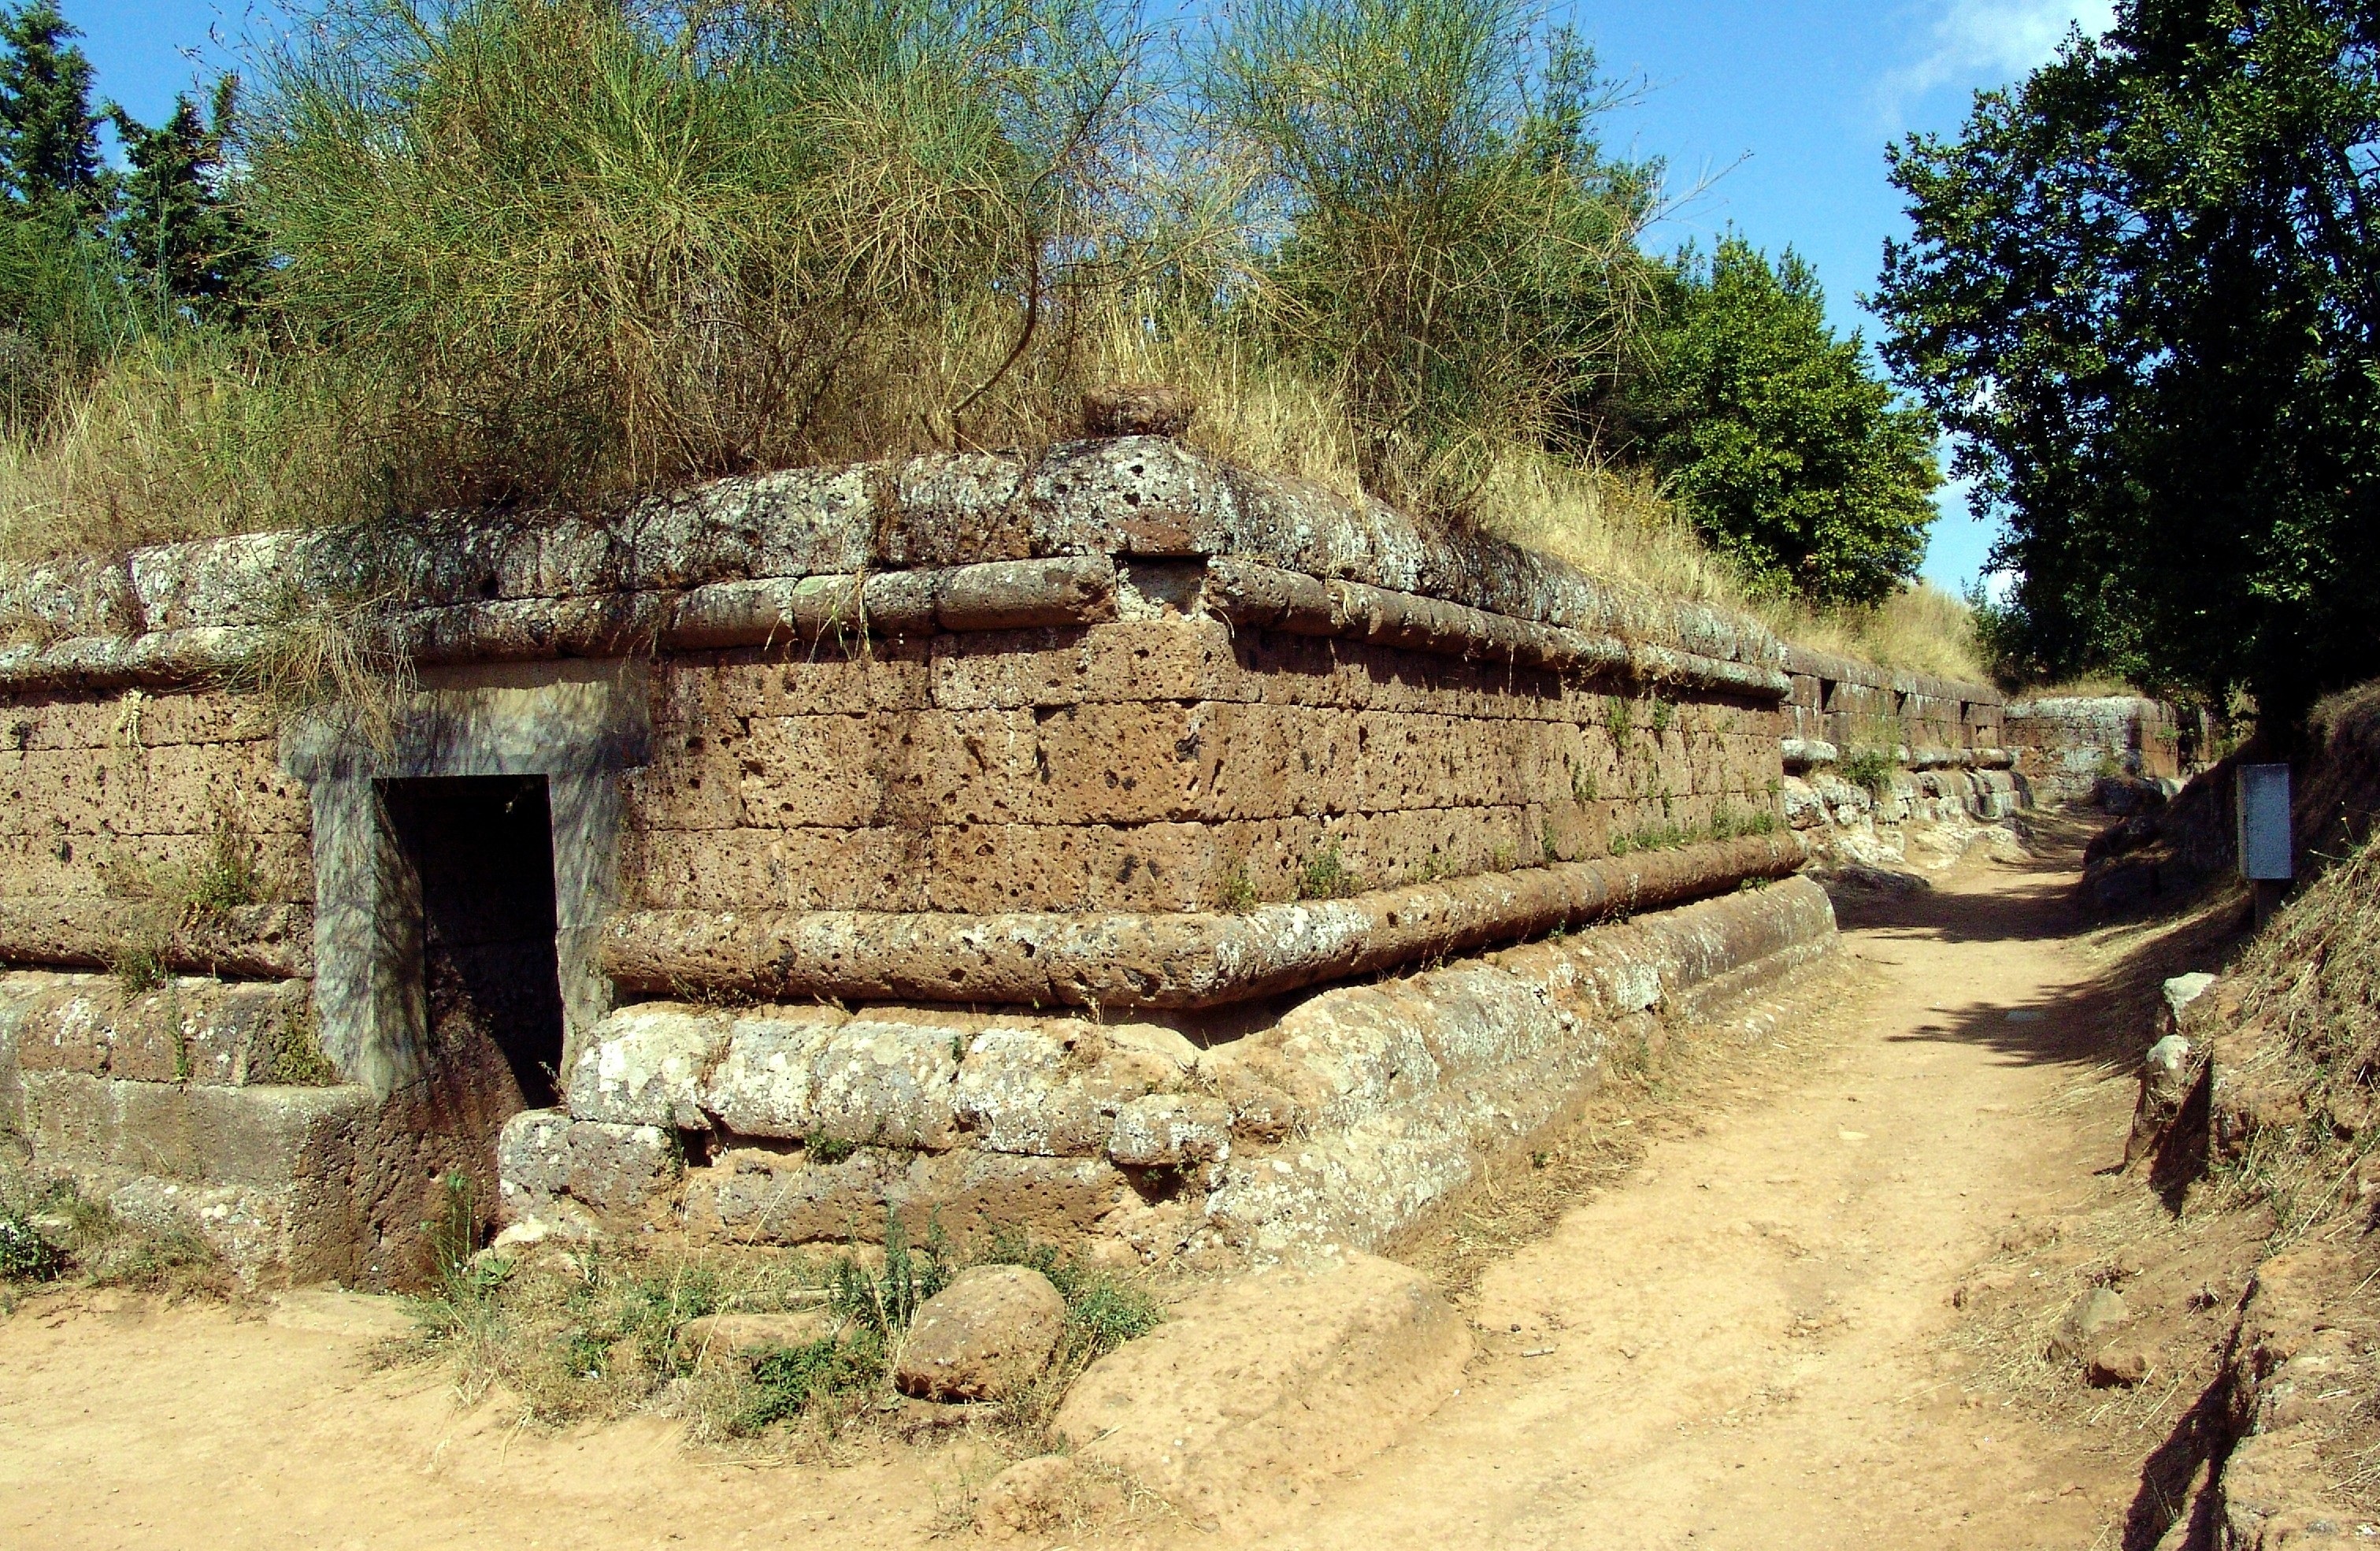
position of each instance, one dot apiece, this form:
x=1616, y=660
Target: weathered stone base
x=1335, y=1120
x=1411, y=1083
x=1926, y=817
x=172, y=1107
x=259, y=1173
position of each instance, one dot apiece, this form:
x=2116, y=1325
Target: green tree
x=1787, y=451
x=61, y=305
x=1454, y=253
x=2143, y=292
x=181, y=233
x=49, y=135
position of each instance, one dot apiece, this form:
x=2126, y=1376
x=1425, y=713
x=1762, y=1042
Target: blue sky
x=1777, y=110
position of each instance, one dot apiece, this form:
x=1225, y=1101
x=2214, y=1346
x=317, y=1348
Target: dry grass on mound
x=2310, y=1018
x=201, y=437
x=206, y=446
x=1611, y=523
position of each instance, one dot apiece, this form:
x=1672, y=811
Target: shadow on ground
x=2104, y=1021
x=2108, y=1018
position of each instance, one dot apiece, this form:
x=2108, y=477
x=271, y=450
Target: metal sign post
x=2265, y=849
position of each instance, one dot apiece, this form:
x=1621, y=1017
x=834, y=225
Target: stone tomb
x=1109, y=843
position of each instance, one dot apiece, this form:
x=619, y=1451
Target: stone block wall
x=1927, y=751
x=118, y=808
x=2067, y=743
x=1854, y=705
x=1341, y=1117
x=203, y=1104
x=1090, y=786
x=1163, y=764
x=1919, y=719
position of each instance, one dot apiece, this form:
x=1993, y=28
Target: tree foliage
x=185, y=242
x=92, y=260
x=2143, y=292
x=49, y=141
x=1787, y=451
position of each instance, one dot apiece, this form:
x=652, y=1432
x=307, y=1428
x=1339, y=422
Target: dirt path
x=1739, y=1347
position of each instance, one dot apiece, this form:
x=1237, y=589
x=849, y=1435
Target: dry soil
x=1746, y=1341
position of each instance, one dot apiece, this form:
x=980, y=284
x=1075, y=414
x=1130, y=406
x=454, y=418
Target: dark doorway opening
x=478, y=851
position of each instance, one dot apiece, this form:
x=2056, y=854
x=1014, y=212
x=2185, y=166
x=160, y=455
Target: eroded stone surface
x=1170, y=1130
x=984, y=1337
x=613, y=1170
x=755, y=1196
x=647, y=1068
x=764, y=1082
x=1295, y=1373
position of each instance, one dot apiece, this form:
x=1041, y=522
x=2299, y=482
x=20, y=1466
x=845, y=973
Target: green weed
x=1618, y=720
x=790, y=1382
x=1871, y=768
x=140, y=966
x=826, y=1149
x=224, y=876
x=1725, y=824
x=24, y=1254
x=1326, y=876
x=53, y=1232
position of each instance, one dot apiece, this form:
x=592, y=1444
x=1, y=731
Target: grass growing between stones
x=1725, y=825
x=1868, y=768
x=593, y=1332
x=53, y=1233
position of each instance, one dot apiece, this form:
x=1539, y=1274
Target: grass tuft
x=52, y=1230
x=1870, y=768
x=1326, y=877
x=599, y=1331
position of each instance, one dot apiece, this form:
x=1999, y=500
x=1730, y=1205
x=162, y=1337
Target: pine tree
x=49, y=135
x=181, y=234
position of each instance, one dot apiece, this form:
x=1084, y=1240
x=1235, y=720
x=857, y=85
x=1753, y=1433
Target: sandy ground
x=1742, y=1345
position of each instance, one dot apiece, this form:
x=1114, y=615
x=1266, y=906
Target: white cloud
x=1989, y=42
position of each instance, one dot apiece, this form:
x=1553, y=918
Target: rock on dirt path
x=1737, y=1346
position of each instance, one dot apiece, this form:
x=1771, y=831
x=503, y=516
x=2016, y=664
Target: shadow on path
x=2108, y=1017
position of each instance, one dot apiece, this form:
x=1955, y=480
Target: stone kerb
x=1341, y=1119
x=1186, y=961
x=959, y=541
